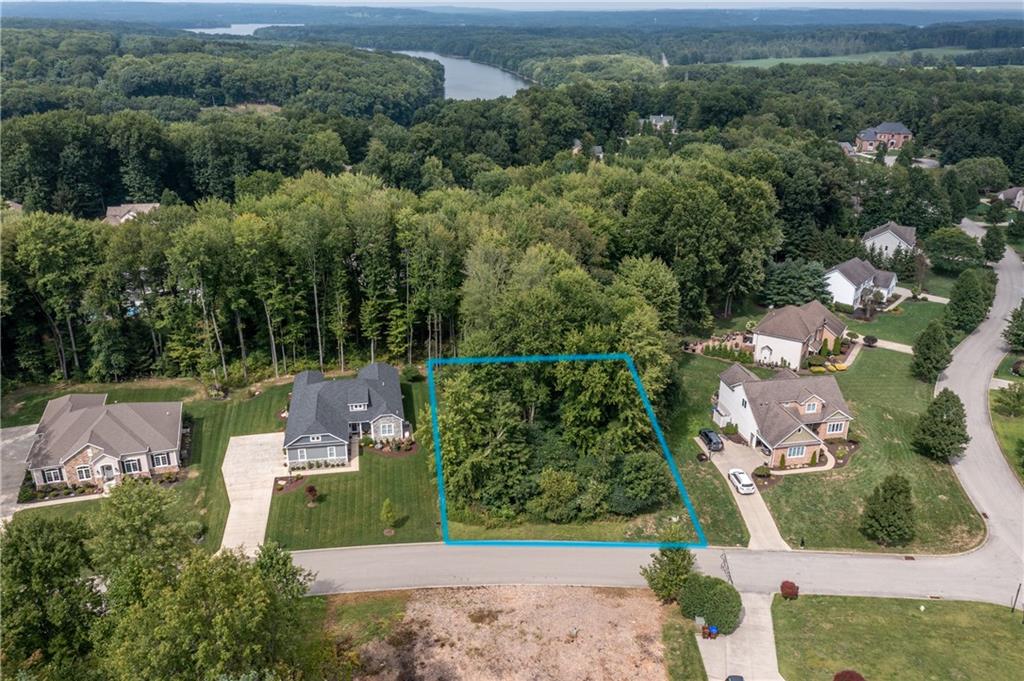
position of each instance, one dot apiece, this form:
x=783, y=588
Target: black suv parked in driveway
x=711, y=439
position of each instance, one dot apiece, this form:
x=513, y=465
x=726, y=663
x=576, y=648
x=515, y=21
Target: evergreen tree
x=1014, y=332
x=1015, y=230
x=996, y=212
x=994, y=243
x=880, y=153
x=668, y=568
x=968, y=302
x=795, y=282
x=931, y=352
x=955, y=193
x=942, y=430
x=888, y=516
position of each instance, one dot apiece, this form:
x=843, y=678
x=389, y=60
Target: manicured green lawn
x=25, y=406
x=902, y=325
x=85, y=508
x=824, y=508
x=1003, y=370
x=708, y=491
x=682, y=657
x=938, y=284
x=1009, y=431
x=348, y=512
x=741, y=314
x=202, y=494
x=892, y=638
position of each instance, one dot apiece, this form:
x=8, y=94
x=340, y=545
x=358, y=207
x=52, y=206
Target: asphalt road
x=990, y=573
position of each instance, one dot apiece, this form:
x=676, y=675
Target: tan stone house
x=787, y=417
x=82, y=440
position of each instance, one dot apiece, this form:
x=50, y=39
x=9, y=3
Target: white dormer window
x=811, y=407
x=314, y=438
x=357, y=406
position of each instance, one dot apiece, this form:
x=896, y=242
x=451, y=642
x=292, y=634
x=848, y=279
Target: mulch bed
x=290, y=484
x=392, y=454
x=767, y=483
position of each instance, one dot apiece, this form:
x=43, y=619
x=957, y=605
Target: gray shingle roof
x=736, y=374
x=858, y=271
x=320, y=406
x=799, y=323
x=891, y=127
x=71, y=422
x=772, y=402
x=907, y=235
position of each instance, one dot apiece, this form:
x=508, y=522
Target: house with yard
x=852, y=282
x=888, y=238
x=1014, y=196
x=118, y=215
x=328, y=418
x=661, y=122
x=893, y=134
x=82, y=440
x=788, y=418
x=786, y=335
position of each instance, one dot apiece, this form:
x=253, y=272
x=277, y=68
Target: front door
x=107, y=471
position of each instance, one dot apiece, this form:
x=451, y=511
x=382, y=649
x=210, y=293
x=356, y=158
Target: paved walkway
x=251, y=463
x=750, y=650
x=907, y=294
x=898, y=347
x=763, y=532
x=1000, y=383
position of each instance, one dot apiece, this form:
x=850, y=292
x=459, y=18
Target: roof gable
x=907, y=235
x=799, y=323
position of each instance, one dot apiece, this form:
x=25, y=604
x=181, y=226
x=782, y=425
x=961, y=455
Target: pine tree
x=387, y=514
x=955, y=193
x=888, y=515
x=994, y=243
x=942, y=429
x=931, y=352
x=880, y=153
x=1014, y=332
x=968, y=302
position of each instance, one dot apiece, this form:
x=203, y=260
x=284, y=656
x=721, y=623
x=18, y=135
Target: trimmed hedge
x=716, y=600
x=848, y=675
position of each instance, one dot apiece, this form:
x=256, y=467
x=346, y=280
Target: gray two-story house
x=327, y=418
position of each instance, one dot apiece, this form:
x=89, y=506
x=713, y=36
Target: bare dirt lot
x=521, y=633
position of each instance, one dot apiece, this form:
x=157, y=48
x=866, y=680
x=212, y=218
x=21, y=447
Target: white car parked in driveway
x=741, y=481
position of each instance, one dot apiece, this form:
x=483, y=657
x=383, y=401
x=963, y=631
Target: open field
x=202, y=494
x=1010, y=432
x=348, y=512
x=824, y=509
x=513, y=633
x=851, y=58
x=901, y=325
x=894, y=638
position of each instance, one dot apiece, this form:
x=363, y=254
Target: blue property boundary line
x=701, y=542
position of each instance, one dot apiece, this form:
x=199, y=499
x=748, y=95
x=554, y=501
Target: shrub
x=816, y=360
x=888, y=515
x=194, y=529
x=366, y=441
x=941, y=432
x=814, y=458
x=848, y=675
x=1009, y=401
x=789, y=590
x=782, y=461
x=870, y=341
x=716, y=600
x=411, y=373
x=1018, y=368
x=844, y=308
x=819, y=370
x=730, y=429
x=387, y=514
x=312, y=494
x=852, y=335
x=762, y=471
x=668, y=570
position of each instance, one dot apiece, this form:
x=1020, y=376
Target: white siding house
x=852, y=281
x=776, y=351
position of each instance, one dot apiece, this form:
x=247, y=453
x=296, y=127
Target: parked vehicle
x=711, y=439
x=741, y=481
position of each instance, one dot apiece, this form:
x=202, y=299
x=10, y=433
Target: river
x=236, y=29
x=465, y=79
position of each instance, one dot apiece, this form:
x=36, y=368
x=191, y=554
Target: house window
x=811, y=407
x=161, y=460
x=835, y=427
x=332, y=452
x=358, y=406
x=387, y=429
x=743, y=403
x=53, y=475
x=131, y=466
x=795, y=452
x=84, y=473
x=300, y=455
x=314, y=438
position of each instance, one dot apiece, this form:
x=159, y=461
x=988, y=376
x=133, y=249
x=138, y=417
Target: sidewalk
x=897, y=347
x=750, y=650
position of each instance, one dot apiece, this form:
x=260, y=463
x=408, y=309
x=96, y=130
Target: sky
x=537, y=5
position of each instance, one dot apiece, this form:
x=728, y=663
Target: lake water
x=465, y=79
x=236, y=29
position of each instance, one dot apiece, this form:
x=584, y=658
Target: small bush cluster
x=843, y=307
x=722, y=351
x=714, y=599
x=410, y=373
x=318, y=463
x=848, y=675
x=789, y=590
x=762, y=471
x=730, y=429
x=870, y=341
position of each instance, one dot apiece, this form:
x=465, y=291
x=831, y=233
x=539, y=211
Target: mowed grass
x=348, y=510
x=202, y=494
x=824, y=509
x=902, y=325
x=1003, y=370
x=938, y=284
x=708, y=491
x=743, y=312
x=682, y=656
x=1010, y=433
x=893, y=638
x=850, y=58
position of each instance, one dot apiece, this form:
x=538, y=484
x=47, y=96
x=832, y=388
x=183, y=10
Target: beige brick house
x=82, y=440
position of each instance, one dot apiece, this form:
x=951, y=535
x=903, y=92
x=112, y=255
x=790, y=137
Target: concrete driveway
x=15, y=444
x=750, y=650
x=251, y=463
x=764, y=534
